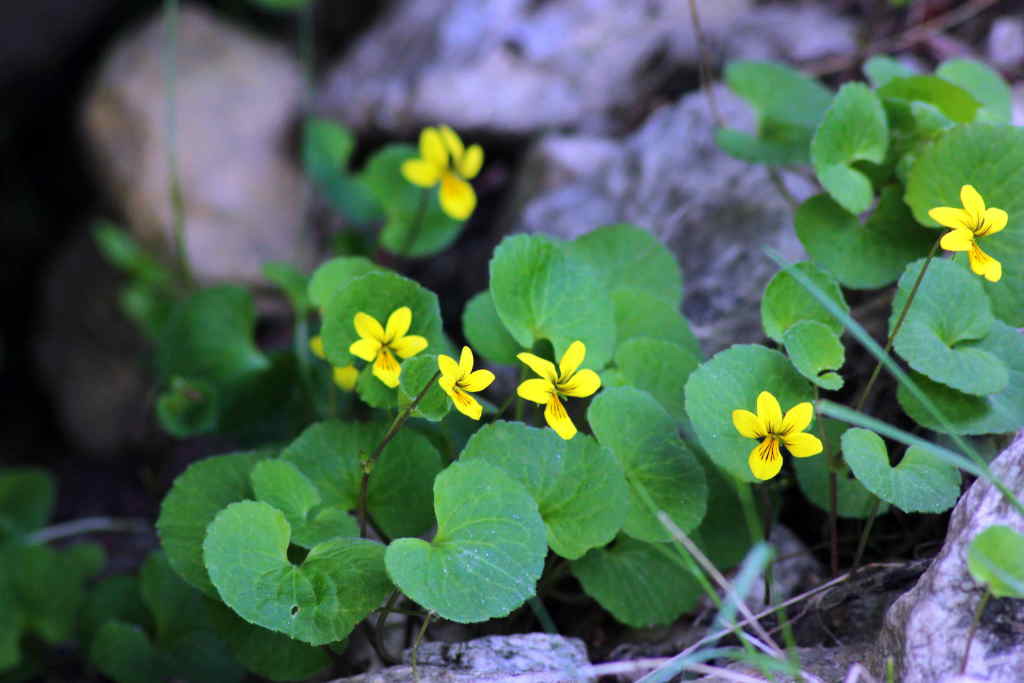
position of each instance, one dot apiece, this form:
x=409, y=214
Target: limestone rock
x=237, y=98
x=926, y=629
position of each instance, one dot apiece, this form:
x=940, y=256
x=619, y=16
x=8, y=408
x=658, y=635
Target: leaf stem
x=833, y=495
x=974, y=628
x=88, y=525
x=416, y=645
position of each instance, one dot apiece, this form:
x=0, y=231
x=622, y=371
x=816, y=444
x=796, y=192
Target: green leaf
x=778, y=144
x=640, y=584
x=334, y=274
x=993, y=414
x=579, y=486
x=540, y=292
x=862, y=256
x=638, y=313
x=853, y=501
x=124, y=653
x=375, y=393
x=646, y=442
x=379, y=294
x=995, y=558
x=854, y=129
x=486, y=333
x=281, y=484
x=487, y=554
x=416, y=225
x=919, y=483
x=625, y=256
x=125, y=253
x=416, y=372
x=816, y=352
x=731, y=380
x=197, y=495
x=320, y=601
x=292, y=281
x=722, y=534
x=116, y=597
x=991, y=158
x=881, y=69
x=786, y=303
x=27, y=495
x=50, y=587
x=189, y=407
x=950, y=308
x=953, y=101
x=984, y=84
x=658, y=367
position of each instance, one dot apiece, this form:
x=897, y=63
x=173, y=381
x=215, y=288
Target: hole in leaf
x=295, y=610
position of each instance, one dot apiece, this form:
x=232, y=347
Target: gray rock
x=492, y=658
x=237, y=98
x=715, y=212
x=1006, y=43
x=926, y=629
x=789, y=33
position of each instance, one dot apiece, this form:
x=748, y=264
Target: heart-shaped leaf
x=658, y=367
x=416, y=372
x=786, y=302
x=326, y=148
x=27, y=496
x=953, y=101
x=853, y=501
x=816, y=352
x=486, y=333
x=320, y=601
x=984, y=84
x=281, y=484
x=996, y=558
x=638, y=313
x=487, y=554
x=334, y=274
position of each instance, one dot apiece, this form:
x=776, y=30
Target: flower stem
x=833, y=497
x=974, y=628
x=390, y=434
x=767, y=516
x=417, y=223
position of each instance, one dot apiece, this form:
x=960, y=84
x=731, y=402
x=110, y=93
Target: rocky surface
x=926, y=629
x=237, y=100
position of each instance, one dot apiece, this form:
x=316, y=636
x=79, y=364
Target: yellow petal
x=457, y=197
x=399, y=323
x=748, y=424
x=802, y=445
x=973, y=203
x=409, y=345
x=432, y=148
x=984, y=265
x=765, y=459
x=466, y=404
x=421, y=173
x=957, y=240
x=995, y=220
x=450, y=370
x=558, y=419
x=452, y=141
x=365, y=348
x=542, y=367
x=571, y=359
x=471, y=162
x=769, y=411
x=797, y=418
x=582, y=384
x=386, y=368
x=536, y=390
x=367, y=327
x=466, y=360
x=951, y=218
x=316, y=346
x=478, y=380
x=346, y=377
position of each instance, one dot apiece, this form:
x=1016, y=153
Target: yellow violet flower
x=444, y=159
x=776, y=430
x=565, y=380
x=457, y=379
x=379, y=345
x=345, y=377
x=967, y=225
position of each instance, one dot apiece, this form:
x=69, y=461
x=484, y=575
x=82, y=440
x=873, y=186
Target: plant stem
x=170, y=77
x=705, y=64
x=542, y=614
x=417, y=223
x=767, y=516
x=416, y=645
x=974, y=627
x=378, y=638
x=863, y=542
x=833, y=496
x=88, y=525
x=390, y=434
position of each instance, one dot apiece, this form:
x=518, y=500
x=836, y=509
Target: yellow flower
x=345, y=377
x=775, y=430
x=459, y=378
x=565, y=380
x=379, y=345
x=443, y=159
x=968, y=224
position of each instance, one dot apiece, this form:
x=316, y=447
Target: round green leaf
x=862, y=256
x=281, y=484
x=991, y=158
x=318, y=602
x=188, y=408
x=919, y=483
x=375, y=393
x=292, y=282
x=786, y=302
x=881, y=69
x=124, y=653
x=646, y=441
x=50, y=586
x=487, y=554
x=950, y=308
x=984, y=84
x=540, y=292
x=658, y=367
x=578, y=485
x=334, y=274
x=953, y=101
x=855, y=128
x=853, y=501
x=993, y=414
x=731, y=380
x=816, y=351
x=27, y=496
x=486, y=333
x=197, y=495
x=996, y=559
x=640, y=584
x=638, y=313
x=416, y=372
